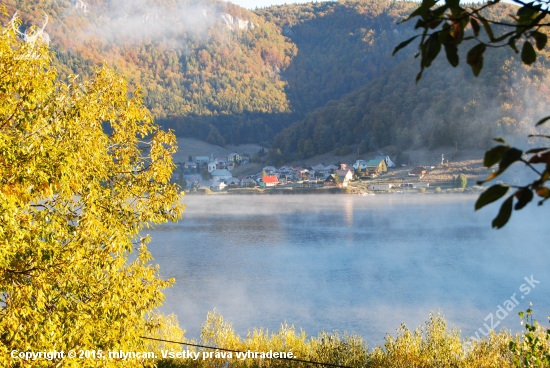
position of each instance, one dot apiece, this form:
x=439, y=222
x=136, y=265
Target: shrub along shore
x=433, y=344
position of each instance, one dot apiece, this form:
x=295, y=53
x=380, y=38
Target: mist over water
x=359, y=264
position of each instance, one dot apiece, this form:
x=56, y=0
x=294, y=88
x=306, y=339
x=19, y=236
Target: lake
x=360, y=264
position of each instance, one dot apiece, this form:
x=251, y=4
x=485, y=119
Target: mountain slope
x=310, y=78
x=447, y=107
x=191, y=58
x=341, y=46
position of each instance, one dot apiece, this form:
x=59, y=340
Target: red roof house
x=269, y=181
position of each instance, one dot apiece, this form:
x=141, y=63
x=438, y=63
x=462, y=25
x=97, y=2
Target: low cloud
x=130, y=22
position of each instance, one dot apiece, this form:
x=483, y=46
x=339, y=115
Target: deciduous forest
x=307, y=79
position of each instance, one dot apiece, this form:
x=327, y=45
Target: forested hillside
x=447, y=107
x=309, y=78
x=196, y=59
x=341, y=46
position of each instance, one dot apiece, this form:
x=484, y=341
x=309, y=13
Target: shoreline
x=339, y=191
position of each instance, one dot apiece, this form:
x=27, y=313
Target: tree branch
x=531, y=167
x=530, y=6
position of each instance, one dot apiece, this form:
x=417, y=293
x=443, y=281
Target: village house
x=269, y=170
x=218, y=186
x=193, y=178
x=387, y=160
x=303, y=174
x=285, y=172
x=283, y=179
x=418, y=171
x=344, y=176
x=221, y=174
x=190, y=165
x=212, y=166
x=375, y=167
x=318, y=168
x=331, y=181
x=230, y=165
x=248, y=183
x=235, y=157
x=233, y=182
x=202, y=159
x=319, y=171
x=221, y=163
x=360, y=164
x=204, y=183
x=269, y=181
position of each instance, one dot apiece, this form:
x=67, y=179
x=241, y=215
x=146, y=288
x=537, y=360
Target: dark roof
x=342, y=172
x=419, y=171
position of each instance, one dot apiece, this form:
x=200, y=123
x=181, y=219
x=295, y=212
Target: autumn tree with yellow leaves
x=83, y=170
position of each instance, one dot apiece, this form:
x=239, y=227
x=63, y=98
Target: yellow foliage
x=334, y=348
x=432, y=345
x=83, y=169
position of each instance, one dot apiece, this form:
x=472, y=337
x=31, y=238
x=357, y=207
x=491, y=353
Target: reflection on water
x=348, y=211
x=361, y=264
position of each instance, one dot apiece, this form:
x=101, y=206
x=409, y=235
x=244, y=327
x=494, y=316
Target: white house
x=212, y=166
x=218, y=186
x=345, y=176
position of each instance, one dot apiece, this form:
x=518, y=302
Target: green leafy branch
x=444, y=26
x=530, y=351
x=505, y=156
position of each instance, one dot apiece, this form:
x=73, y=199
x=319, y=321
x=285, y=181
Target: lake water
x=351, y=263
